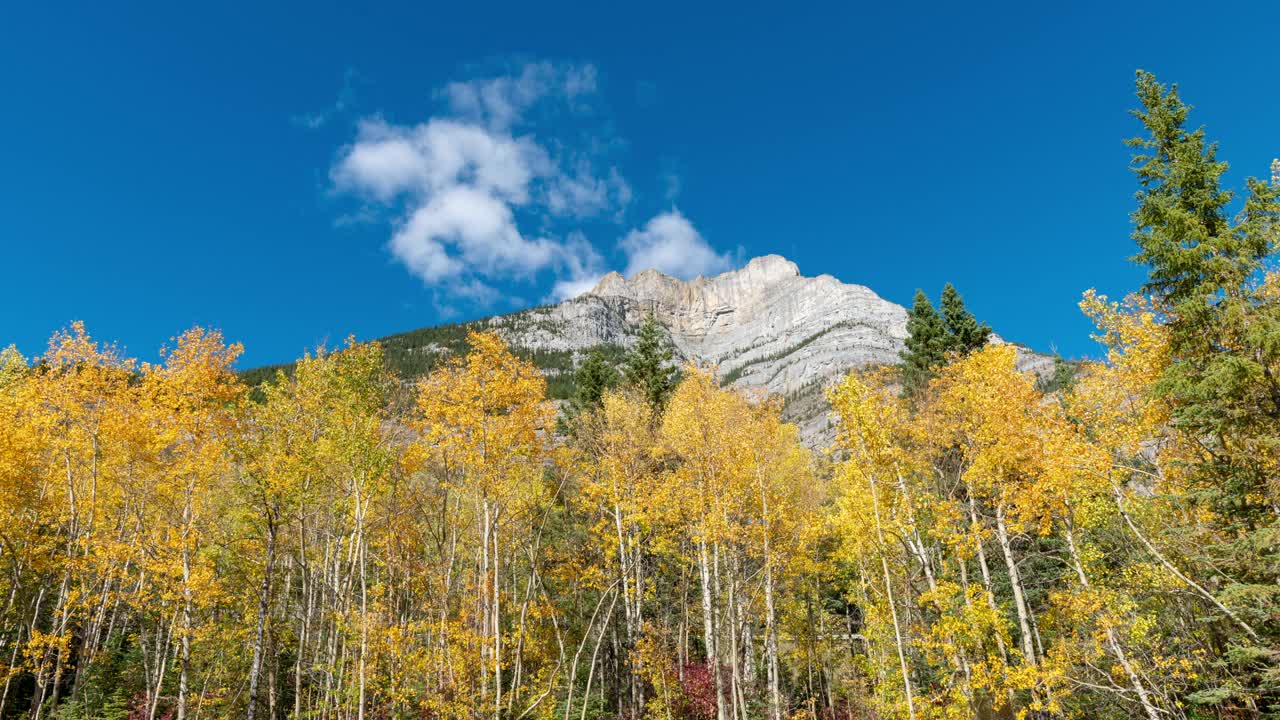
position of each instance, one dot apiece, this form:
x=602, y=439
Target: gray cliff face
x=762, y=328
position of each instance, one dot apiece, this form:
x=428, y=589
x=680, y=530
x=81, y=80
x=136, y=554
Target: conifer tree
x=592, y=379
x=1207, y=271
x=1181, y=226
x=927, y=344
x=967, y=334
x=647, y=366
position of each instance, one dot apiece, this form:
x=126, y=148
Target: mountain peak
x=770, y=267
x=760, y=271
x=609, y=284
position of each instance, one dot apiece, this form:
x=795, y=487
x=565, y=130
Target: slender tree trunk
x=35, y=619
x=709, y=626
x=631, y=602
x=497, y=626
x=1113, y=642
x=637, y=684
x=483, y=604
x=1119, y=498
x=591, y=671
x=8, y=676
x=586, y=636
x=770, y=612
x=983, y=567
x=893, y=612
x=735, y=652
x=162, y=658
x=1015, y=581
x=44, y=684
x=364, y=600
x=888, y=589
x=184, y=657
x=306, y=585
x=259, y=636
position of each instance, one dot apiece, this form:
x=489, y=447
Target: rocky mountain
x=764, y=327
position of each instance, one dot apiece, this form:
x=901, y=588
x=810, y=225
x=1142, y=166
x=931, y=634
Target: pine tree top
x=1181, y=224
x=647, y=365
x=967, y=334
x=932, y=336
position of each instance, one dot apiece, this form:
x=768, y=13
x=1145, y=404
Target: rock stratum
x=764, y=327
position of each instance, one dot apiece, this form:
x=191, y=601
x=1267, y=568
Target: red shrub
x=697, y=693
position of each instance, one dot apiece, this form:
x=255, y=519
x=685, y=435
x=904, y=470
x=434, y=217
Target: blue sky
x=293, y=174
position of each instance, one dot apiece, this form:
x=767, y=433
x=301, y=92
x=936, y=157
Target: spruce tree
x=967, y=334
x=1207, y=269
x=592, y=379
x=927, y=344
x=647, y=366
x=1181, y=226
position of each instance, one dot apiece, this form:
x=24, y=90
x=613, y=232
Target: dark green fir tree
x=967, y=334
x=647, y=366
x=592, y=379
x=927, y=344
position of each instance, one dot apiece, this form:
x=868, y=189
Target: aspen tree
x=484, y=420
x=191, y=401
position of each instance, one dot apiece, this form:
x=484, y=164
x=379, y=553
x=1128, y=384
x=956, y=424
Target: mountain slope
x=764, y=327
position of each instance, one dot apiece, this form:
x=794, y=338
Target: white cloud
x=671, y=244
x=462, y=181
x=389, y=160
x=583, y=194
x=583, y=268
x=502, y=101
x=573, y=287
x=480, y=230
x=479, y=201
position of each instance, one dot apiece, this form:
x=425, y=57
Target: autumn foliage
x=338, y=543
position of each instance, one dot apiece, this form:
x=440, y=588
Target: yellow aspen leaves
x=341, y=543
